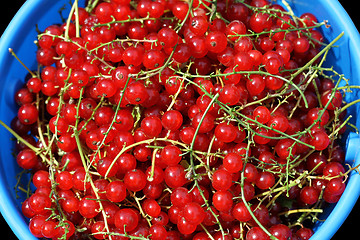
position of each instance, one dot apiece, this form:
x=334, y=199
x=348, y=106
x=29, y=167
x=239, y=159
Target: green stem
x=309, y=63
x=19, y=138
x=272, y=237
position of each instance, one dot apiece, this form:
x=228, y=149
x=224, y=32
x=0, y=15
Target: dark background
x=349, y=226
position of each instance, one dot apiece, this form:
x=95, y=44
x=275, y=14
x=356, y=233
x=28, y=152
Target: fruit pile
x=169, y=119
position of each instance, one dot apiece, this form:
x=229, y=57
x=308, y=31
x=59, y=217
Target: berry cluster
x=171, y=119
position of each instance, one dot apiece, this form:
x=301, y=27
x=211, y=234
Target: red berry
x=225, y=132
x=171, y=155
x=309, y=195
x=28, y=114
x=126, y=219
x=222, y=180
x=27, y=159
x=135, y=180
x=88, y=207
x=233, y=163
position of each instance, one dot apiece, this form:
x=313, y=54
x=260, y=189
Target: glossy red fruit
x=172, y=120
x=240, y=212
x=222, y=180
x=233, y=162
x=88, y=207
x=28, y=114
x=215, y=41
x=225, y=132
x=126, y=219
x=194, y=213
x=309, y=195
x=135, y=180
x=222, y=200
x=27, y=159
x=171, y=155
x=136, y=93
x=116, y=191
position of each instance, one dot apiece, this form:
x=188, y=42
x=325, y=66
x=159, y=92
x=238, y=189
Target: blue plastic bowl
x=21, y=33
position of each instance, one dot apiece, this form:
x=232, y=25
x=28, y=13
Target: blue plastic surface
x=21, y=33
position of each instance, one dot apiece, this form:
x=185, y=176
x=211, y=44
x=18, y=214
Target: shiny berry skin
x=335, y=186
x=285, y=148
x=238, y=11
x=34, y=85
x=278, y=122
x=225, y=132
x=301, y=45
x=216, y=42
x=116, y=191
x=180, y=197
x=265, y=180
x=133, y=56
x=256, y=233
x=167, y=37
x=180, y=10
x=333, y=169
x=41, y=179
x=127, y=219
x=233, y=163
x=135, y=180
x=240, y=212
x=28, y=114
x=35, y=225
x=198, y=25
x=193, y=213
x=171, y=155
x=39, y=203
x=280, y=231
x=124, y=120
x=151, y=126
x=27, y=159
x=335, y=101
x=182, y=53
x=221, y=180
x=106, y=167
x=49, y=229
x=262, y=114
x=153, y=59
x=235, y=28
x=198, y=47
x=67, y=142
x=206, y=122
x=222, y=200
x=309, y=195
x=259, y=22
x=273, y=65
x=152, y=208
x=304, y=233
x=131, y=84
x=175, y=176
x=172, y=120
x=255, y=84
x=318, y=115
x=89, y=208
x=229, y=95
x=64, y=180
x=136, y=93
x=320, y=140
x=243, y=61
x=158, y=232
x=45, y=56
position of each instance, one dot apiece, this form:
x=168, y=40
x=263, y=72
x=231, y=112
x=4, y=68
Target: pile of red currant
x=171, y=119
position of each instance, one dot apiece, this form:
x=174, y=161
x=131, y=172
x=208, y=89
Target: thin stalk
x=21, y=62
x=325, y=49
